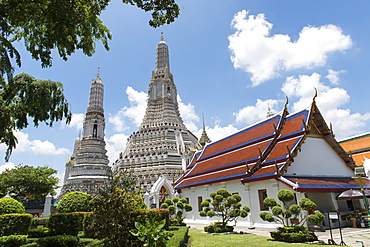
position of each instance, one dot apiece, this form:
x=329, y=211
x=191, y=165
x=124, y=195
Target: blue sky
x=230, y=60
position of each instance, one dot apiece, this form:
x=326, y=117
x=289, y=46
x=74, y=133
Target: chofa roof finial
x=314, y=97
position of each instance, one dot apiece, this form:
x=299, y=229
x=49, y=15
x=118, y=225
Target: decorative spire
x=269, y=112
x=204, y=127
x=204, y=139
x=96, y=96
x=98, y=74
x=162, y=56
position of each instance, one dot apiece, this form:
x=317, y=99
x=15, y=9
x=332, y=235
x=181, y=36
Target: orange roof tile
x=253, y=133
x=357, y=143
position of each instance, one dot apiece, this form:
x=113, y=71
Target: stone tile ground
x=350, y=235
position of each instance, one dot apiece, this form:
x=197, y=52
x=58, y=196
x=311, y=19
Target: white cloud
x=253, y=49
x=46, y=148
x=35, y=146
x=77, y=121
x=135, y=112
x=251, y=114
x=333, y=76
x=118, y=121
x=188, y=115
x=115, y=145
x=328, y=100
x=8, y=165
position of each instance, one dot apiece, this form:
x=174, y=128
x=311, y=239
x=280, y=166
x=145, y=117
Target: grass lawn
x=200, y=239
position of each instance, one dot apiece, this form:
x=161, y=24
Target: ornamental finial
x=98, y=74
x=162, y=38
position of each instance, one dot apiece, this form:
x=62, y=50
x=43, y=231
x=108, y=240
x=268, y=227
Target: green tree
x=11, y=206
x=177, y=207
x=28, y=182
x=113, y=207
x=24, y=97
x=44, y=26
x=224, y=205
x=67, y=26
x=75, y=202
x=282, y=214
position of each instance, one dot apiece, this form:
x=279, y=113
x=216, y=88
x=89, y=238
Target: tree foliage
x=224, y=205
x=75, y=202
x=66, y=26
x=43, y=26
x=11, y=206
x=28, y=182
x=112, y=208
x=24, y=97
x=282, y=214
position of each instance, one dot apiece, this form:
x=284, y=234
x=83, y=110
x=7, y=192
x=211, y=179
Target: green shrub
x=14, y=224
x=13, y=240
x=75, y=202
x=59, y=241
x=293, y=234
x=11, y=206
x=177, y=222
x=65, y=223
x=158, y=215
x=35, y=222
x=88, y=226
x=151, y=233
x=39, y=232
x=90, y=242
x=217, y=227
x=179, y=238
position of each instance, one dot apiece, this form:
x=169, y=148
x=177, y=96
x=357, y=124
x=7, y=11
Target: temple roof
x=261, y=151
x=358, y=147
x=321, y=184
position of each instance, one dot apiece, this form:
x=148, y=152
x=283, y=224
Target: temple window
x=199, y=203
x=262, y=194
x=95, y=130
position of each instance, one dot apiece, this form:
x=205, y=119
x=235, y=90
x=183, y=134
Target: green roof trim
x=355, y=138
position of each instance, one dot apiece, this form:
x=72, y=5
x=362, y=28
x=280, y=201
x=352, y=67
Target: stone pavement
x=350, y=235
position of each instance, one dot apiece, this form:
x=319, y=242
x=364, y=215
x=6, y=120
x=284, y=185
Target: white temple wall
x=318, y=159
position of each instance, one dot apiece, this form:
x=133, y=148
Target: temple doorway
x=163, y=194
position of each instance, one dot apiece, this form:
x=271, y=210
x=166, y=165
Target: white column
x=146, y=200
x=47, y=206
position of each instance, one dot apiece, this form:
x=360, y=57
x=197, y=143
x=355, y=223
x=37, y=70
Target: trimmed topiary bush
x=65, y=223
x=14, y=224
x=177, y=208
x=296, y=234
x=35, y=222
x=13, y=240
x=59, y=241
x=225, y=205
x=75, y=202
x=39, y=232
x=90, y=242
x=218, y=227
x=11, y=206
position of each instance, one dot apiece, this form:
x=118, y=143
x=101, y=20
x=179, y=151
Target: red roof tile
x=231, y=158
x=262, y=129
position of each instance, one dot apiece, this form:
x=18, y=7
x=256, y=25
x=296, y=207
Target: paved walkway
x=350, y=235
